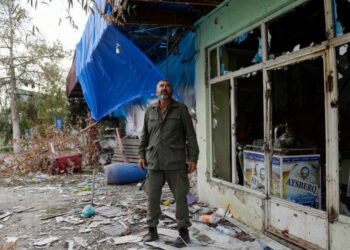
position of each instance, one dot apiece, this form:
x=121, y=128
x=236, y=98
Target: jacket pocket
x=150, y=154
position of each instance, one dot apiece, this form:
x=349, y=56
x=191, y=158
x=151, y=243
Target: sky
x=46, y=18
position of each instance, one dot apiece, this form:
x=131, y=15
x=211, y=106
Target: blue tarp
x=180, y=69
x=110, y=80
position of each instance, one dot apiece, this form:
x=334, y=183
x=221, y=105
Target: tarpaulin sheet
x=110, y=80
x=179, y=69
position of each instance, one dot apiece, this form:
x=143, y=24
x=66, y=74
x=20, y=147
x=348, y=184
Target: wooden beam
x=160, y=17
x=148, y=37
x=213, y=3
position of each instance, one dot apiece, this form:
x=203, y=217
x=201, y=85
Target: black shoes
x=183, y=239
x=152, y=235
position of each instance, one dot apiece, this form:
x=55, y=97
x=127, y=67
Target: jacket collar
x=172, y=104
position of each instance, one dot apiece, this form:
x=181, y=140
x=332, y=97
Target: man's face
x=164, y=90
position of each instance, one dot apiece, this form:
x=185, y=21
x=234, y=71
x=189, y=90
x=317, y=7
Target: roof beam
x=162, y=17
x=213, y=3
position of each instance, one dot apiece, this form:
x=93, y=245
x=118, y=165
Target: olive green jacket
x=165, y=144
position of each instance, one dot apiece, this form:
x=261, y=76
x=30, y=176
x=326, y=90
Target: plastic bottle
x=227, y=231
x=210, y=218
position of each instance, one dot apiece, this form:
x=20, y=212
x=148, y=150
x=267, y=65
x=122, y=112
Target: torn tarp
x=179, y=69
x=111, y=70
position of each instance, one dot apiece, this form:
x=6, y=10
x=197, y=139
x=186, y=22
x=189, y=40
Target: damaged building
x=271, y=88
x=272, y=108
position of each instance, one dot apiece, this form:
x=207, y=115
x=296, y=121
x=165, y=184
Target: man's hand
x=192, y=166
x=142, y=164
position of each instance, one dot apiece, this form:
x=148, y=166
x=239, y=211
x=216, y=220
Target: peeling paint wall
x=234, y=16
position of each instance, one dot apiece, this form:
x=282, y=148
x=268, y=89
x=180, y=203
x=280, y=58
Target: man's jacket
x=165, y=143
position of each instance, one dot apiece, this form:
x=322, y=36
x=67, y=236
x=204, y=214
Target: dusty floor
x=41, y=207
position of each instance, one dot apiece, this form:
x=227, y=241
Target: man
x=168, y=137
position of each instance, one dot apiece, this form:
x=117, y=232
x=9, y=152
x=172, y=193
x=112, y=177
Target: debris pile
x=52, y=214
x=41, y=151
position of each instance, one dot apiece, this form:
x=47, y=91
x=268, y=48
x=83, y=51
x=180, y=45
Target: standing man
x=168, y=137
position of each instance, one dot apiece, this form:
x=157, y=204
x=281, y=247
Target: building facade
x=273, y=95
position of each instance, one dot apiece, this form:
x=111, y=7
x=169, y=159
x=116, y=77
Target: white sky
x=46, y=18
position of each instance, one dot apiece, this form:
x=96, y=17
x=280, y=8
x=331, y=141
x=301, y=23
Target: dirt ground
x=43, y=207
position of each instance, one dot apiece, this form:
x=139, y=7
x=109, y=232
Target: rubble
x=45, y=242
x=48, y=213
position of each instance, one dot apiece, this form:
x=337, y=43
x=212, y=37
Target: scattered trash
x=70, y=244
x=227, y=231
x=3, y=216
x=104, y=240
x=80, y=241
x=70, y=219
x=191, y=199
x=46, y=242
x=52, y=216
x=88, y=211
x=204, y=240
x=11, y=239
x=127, y=239
x=110, y=212
x=114, y=230
x=209, y=218
x=84, y=230
x=160, y=245
x=119, y=211
x=166, y=203
x=169, y=214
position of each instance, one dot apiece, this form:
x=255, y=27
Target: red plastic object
x=63, y=163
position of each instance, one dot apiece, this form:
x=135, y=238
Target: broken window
x=241, y=52
x=250, y=131
x=221, y=130
x=213, y=63
x=341, y=9
x=298, y=162
x=343, y=60
x=302, y=27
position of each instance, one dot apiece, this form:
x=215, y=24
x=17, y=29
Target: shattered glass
x=250, y=130
x=341, y=9
x=300, y=28
x=241, y=52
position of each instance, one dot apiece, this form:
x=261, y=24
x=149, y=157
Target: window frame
x=327, y=50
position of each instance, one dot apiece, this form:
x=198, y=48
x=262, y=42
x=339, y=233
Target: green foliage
x=33, y=63
x=5, y=124
x=35, y=109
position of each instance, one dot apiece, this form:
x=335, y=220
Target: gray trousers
x=179, y=186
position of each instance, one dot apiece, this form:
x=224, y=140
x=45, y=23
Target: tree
x=25, y=58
